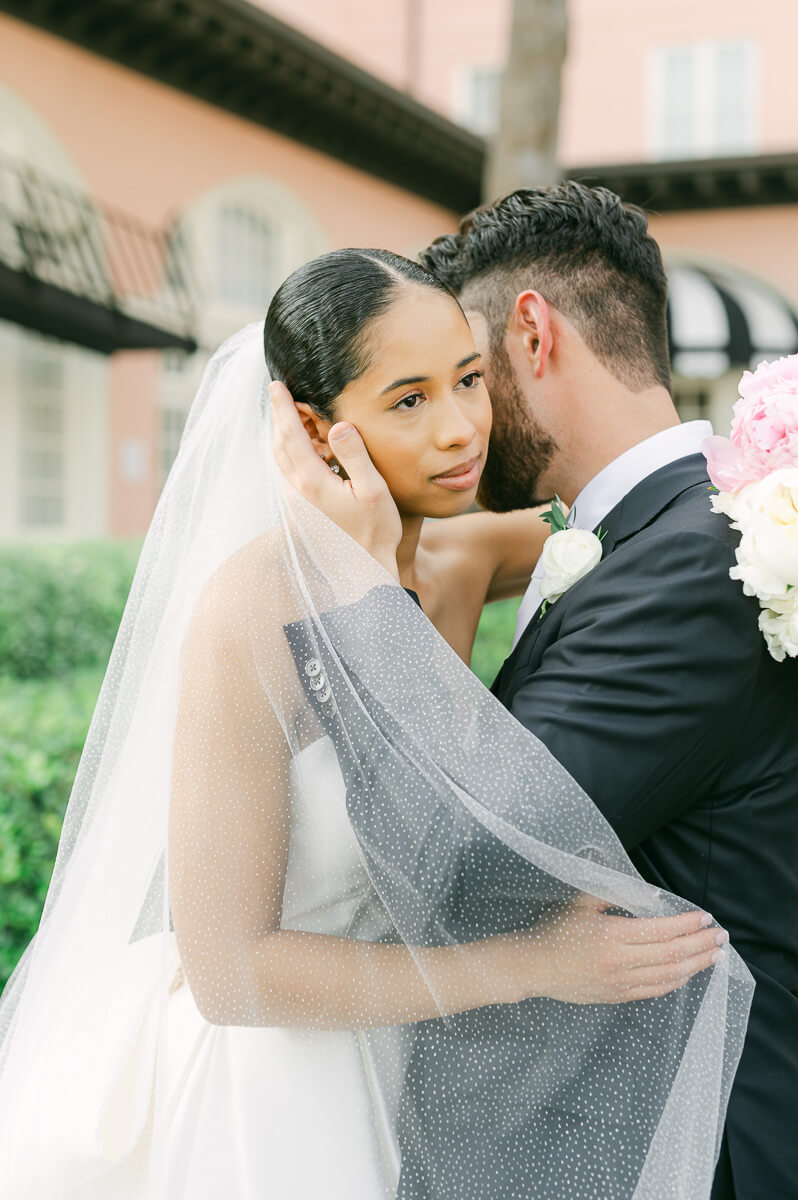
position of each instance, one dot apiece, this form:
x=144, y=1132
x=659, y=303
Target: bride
x=311, y=872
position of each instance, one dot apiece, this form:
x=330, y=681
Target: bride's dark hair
x=315, y=337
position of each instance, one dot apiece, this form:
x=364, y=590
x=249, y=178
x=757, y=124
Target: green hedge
x=60, y=608
x=44, y=725
x=60, y=605
x=494, y=639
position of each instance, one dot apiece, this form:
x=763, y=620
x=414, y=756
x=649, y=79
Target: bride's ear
x=316, y=428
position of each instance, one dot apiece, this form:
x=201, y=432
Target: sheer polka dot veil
x=287, y=948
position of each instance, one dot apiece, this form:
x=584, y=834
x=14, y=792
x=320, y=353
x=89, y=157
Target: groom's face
x=521, y=450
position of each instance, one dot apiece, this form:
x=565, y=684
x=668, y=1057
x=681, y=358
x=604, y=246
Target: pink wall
x=606, y=80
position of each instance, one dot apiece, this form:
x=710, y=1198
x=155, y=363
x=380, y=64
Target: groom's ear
x=533, y=318
x=316, y=428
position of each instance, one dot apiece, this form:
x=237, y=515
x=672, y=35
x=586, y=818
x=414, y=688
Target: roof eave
x=695, y=184
x=242, y=59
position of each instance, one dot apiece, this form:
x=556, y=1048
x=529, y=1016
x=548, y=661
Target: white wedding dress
x=275, y=1113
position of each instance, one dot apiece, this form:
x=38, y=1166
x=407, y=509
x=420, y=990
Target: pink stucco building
x=85, y=438
x=216, y=125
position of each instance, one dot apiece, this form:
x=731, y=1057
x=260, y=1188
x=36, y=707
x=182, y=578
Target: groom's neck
x=601, y=427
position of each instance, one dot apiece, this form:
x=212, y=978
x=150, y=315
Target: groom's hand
x=360, y=503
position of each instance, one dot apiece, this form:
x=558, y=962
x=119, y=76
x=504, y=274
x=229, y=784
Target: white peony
x=779, y=624
x=568, y=556
x=767, y=556
x=735, y=505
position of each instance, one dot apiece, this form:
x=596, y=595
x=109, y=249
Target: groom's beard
x=520, y=450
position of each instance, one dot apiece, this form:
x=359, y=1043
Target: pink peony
x=764, y=432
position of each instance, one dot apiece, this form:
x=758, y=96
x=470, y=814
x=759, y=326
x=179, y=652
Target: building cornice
x=242, y=59
x=709, y=183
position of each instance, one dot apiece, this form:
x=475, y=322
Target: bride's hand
x=583, y=956
x=361, y=503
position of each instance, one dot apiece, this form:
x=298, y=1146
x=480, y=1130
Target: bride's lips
x=461, y=478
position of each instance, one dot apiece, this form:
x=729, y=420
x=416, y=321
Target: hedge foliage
x=44, y=724
x=494, y=639
x=60, y=605
x=60, y=608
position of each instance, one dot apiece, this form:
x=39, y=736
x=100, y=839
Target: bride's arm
x=496, y=551
x=228, y=850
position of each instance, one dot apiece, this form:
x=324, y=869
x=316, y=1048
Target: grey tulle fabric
x=284, y=742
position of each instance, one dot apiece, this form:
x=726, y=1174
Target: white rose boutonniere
x=568, y=555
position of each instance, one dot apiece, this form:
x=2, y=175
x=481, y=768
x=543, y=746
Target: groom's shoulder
x=682, y=554
x=673, y=573
x=691, y=512
x=684, y=528
x=668, y=583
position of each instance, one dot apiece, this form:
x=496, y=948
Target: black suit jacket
x=650, y=681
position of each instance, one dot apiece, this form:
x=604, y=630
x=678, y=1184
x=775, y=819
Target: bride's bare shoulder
x=248, y=594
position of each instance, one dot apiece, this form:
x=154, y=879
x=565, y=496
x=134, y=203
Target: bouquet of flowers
x=756, y=476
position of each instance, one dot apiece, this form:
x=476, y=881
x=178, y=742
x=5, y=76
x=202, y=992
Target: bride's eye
x=410, y=401
x=472, y=378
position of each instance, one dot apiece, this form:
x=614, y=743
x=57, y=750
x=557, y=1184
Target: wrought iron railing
x=53, y=233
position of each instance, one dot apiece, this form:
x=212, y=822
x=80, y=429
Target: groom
x=648, y=678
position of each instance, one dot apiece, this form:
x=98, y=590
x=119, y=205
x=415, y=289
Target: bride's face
x=422, y=407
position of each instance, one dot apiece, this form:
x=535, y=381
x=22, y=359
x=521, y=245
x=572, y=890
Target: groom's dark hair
x=589, y=254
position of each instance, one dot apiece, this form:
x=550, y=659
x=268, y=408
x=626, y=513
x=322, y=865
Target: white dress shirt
x=599, y=497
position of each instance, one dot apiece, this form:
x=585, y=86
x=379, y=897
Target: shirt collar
x=605, y=490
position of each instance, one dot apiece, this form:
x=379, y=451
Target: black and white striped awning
x=720, y=319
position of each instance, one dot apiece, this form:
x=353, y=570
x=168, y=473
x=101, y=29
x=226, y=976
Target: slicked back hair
x=315, y=337
x=588, y=254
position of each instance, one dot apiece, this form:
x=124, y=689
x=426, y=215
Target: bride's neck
x=407, y=550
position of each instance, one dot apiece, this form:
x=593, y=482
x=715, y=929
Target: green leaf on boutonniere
x=555, y=517
x=543, y=608
x=601, y=534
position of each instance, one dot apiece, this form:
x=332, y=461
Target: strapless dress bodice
x=325, y=875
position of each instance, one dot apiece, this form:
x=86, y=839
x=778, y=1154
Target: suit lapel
x=637, y=510
x=646, y=501
x=530, y=635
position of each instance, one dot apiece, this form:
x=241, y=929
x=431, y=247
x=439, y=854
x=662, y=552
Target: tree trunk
x=524, y=149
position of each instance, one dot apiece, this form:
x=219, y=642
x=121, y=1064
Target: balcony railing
x=73, y=268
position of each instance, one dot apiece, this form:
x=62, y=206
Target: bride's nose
x=453, y=427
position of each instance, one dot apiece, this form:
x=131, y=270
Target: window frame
x=704, y=118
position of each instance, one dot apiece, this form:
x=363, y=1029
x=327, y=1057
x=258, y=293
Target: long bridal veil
x=256, y=634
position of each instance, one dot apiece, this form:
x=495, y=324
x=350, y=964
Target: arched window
x=247, y=256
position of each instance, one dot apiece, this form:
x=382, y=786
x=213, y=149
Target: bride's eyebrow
x=397, y=383
x=469, y=358
x=404, y=382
